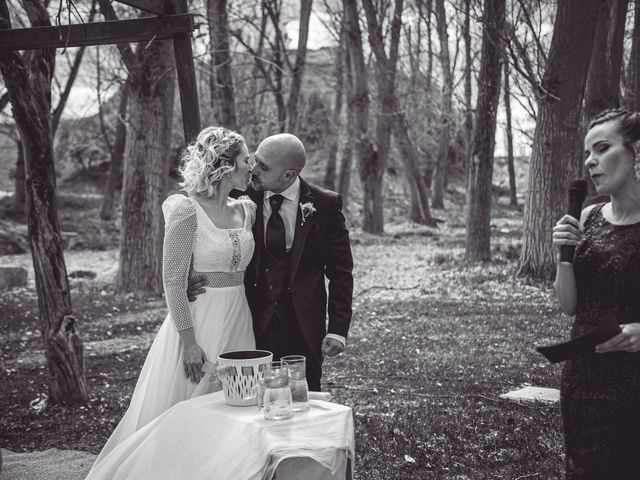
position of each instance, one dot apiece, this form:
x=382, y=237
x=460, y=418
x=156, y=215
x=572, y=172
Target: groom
x=300, y=237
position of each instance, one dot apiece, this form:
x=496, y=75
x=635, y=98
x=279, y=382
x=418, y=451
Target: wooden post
x=186, y=75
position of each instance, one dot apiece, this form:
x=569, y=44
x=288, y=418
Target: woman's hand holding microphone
x=567, y=232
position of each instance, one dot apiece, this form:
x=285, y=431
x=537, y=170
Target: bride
x=207, y=233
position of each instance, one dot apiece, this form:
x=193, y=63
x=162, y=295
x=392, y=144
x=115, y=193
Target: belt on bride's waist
x=221, y=279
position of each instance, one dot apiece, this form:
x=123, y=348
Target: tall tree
x=344, y=179
x=632, y=90
x=278, y=62
x=19, y=189
x=468, y=116
x=439, y=175
x=19, y=197
x=479, y=189
x=19, y=193
x=221, y=78
x=369, y=166
x=297, y=72
x=29, y=87
x=508, y=127
x=557, y=149
x=391, y=114
x=336, y=123
x=117, y=156
x=603, y=80
x=271, y=59
x=150, y=113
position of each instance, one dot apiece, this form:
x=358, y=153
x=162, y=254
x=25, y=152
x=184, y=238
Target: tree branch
x=126, y=52
x=73, y=73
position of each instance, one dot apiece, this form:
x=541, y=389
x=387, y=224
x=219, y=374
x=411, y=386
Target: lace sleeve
x=250, y=207
x=179, y=232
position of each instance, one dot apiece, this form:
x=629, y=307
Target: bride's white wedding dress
x=221, y=318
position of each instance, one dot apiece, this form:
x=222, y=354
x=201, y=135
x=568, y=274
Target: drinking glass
x=298, y=382
x=277, y=392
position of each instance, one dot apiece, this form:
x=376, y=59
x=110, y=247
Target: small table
x=219, y=441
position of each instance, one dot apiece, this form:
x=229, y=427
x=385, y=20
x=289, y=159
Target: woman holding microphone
x=600, y=392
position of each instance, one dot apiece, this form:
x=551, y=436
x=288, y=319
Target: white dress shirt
x=289, y=213
x=288, y=210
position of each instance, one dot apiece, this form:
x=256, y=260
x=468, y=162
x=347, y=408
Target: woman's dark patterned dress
x=600, y=393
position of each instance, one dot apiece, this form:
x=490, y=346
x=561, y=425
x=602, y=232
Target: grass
x=432, y=346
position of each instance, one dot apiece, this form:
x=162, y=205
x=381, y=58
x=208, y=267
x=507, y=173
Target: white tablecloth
x=203, y=438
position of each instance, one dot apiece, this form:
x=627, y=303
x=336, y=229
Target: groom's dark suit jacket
x=320, y=248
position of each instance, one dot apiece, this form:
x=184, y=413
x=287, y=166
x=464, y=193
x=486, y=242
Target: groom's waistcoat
x=274, y=276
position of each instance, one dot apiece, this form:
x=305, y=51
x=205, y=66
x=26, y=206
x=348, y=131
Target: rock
x=12, y=277
x=52, y=464
x=83, y=274
x=533, y=394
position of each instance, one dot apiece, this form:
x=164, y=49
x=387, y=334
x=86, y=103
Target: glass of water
x=298, y=382
x=277, y=392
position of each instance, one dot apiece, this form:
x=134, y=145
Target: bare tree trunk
x=391, y=116
x=345, y=169
x=145, y=170
x=509, y=134
x=222, y=91
x=429, y=73
x=114, y=181
x=479, y=191
x=19, y=193
x=420, y=211
x=602, y=90
x=557, y=138
x=272, y=7
x=332, y=156
x=347, y=139
x=57, y=112
x=29, y=87
x=147, y=158
x=632, y=90
x=468, y=117
x=298, y=68
x=442, y=162
x=369, y=169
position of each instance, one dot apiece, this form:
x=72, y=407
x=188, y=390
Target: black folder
x=583, y=345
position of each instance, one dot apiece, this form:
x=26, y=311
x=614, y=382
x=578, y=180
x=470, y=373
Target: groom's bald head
x=279, y=160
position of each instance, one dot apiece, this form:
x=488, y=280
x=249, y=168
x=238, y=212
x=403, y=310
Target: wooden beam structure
x=97, y=33
x=173, y=21
x=186, y=73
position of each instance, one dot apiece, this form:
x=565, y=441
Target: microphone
x=577, y=194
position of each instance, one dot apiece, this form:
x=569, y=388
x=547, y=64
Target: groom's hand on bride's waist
x=195, y=287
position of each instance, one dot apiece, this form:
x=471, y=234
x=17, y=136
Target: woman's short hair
x=207, y=159
x=628, y=124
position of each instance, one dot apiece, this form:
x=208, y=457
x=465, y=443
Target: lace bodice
x=192, y=242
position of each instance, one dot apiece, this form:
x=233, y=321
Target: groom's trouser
x=283, y=336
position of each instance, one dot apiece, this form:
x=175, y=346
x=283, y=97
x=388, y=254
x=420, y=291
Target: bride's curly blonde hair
x=208, y=159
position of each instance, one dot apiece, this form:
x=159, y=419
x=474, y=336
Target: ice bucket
x=240, y=372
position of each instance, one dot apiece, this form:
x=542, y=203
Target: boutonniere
x=306, y=211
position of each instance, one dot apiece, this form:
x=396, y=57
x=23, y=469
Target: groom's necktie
x=275, y=236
